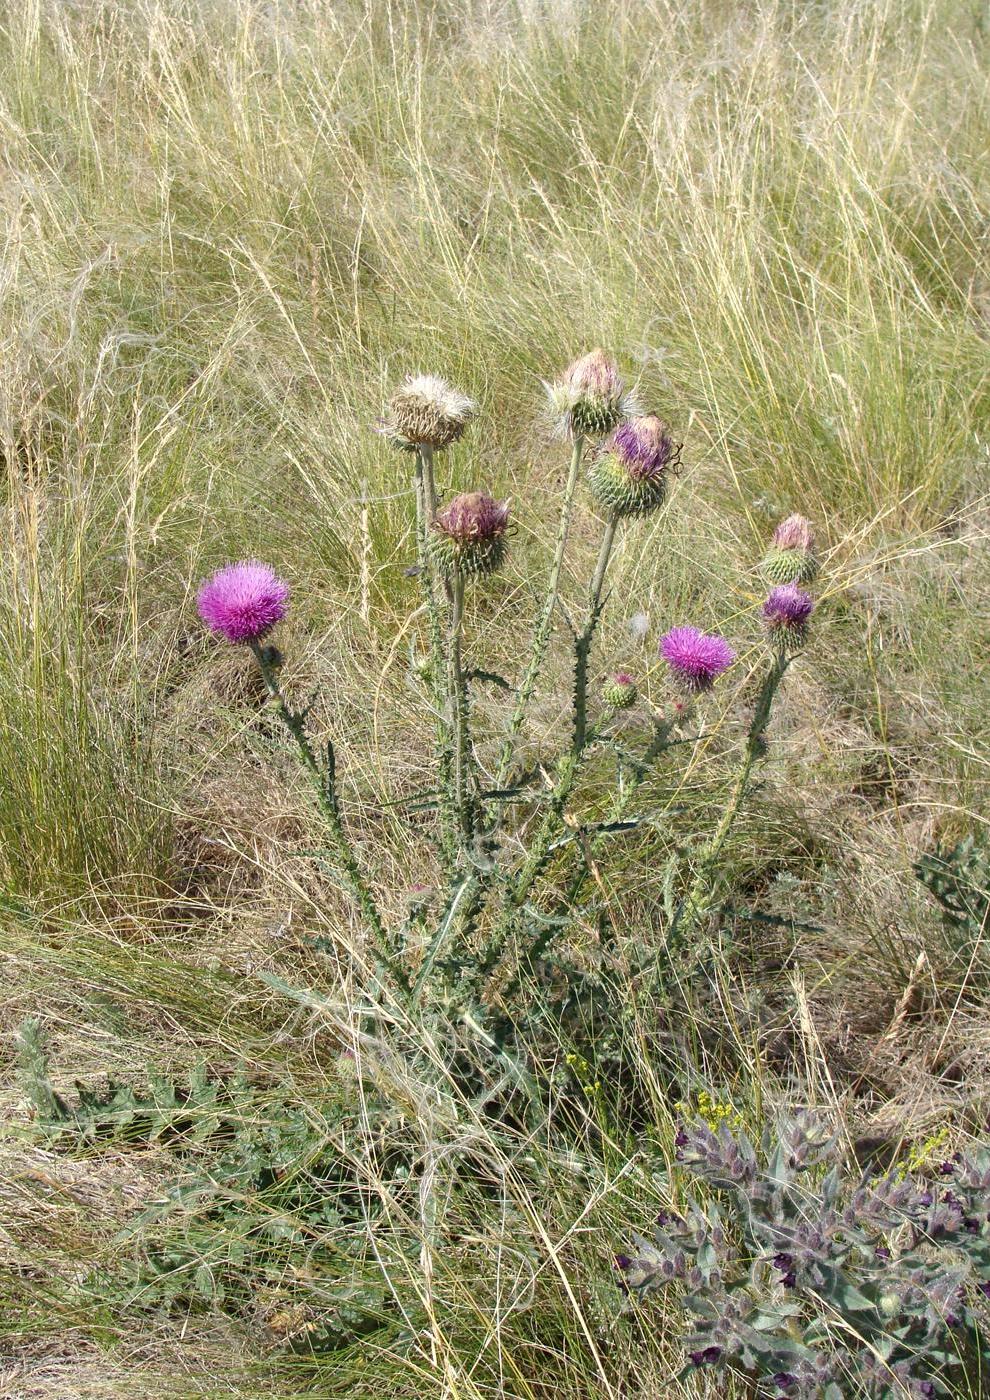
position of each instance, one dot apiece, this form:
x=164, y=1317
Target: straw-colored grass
x=230, y=227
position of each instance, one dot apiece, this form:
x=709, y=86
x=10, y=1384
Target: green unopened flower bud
x=620, y=692
x=469, y=534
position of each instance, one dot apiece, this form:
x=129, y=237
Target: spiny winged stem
x=541, y=634
x=585, y=638
x=426, y=509
x=324, y=782
x=457, y=697
x=695, y=904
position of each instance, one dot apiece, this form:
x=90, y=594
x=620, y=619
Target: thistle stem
x=584, y=640
x=457, y=695
x=541, y=634
x=695, y=903
x=324, y=783
x=426, y=507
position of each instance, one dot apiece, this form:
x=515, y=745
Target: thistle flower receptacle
x=589, y=398
x=426, y=411
x=792, y=556
x=243, y=602
x=786, y=614
x=696, y=659
x=469, y=535
x=629, y=476
x=620, y=692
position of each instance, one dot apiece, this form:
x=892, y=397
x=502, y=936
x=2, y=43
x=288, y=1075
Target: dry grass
x=229, y=227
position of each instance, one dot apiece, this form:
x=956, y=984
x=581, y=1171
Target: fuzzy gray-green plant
x=817, y=1282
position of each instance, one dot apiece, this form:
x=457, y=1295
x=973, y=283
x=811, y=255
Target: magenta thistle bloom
x=243, y=602
x=786, y=614
x=695, y=658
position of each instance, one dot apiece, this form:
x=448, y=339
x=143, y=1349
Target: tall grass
x=230, y=227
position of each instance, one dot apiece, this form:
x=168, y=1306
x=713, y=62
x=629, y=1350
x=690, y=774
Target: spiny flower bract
x=629, y=476
x=243, y=602
x=696, y=659
x=426, y=411
x=469, y=534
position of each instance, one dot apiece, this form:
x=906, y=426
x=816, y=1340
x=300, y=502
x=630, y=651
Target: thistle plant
x=469, y=948
x=814, y=1281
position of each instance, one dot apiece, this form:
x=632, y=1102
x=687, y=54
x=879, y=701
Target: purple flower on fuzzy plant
x=695, y=658
x=707, y=1357
x=243, y=602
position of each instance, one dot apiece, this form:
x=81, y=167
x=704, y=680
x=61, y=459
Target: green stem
x=457, y=698
x=585, y=639
x=541, y=635
x=696, y=901
x=323, y=781
x=426, y=506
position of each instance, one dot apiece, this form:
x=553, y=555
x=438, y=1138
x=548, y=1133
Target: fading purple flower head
x=795, y=533
x=243, y=602
x=595, y=374
x=695, y=658
x=644, y=446
x=474, y=515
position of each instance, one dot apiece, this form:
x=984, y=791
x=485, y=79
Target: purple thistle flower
x=708, y=1356
x=644, y=446
x=243, y=602
x=474, y=515
x=786, y=613
x=695, y=658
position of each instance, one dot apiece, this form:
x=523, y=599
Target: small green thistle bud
x=620, y=692
x=629, y=476
x=469, y=535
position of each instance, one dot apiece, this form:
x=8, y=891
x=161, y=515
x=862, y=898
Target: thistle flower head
x=696, y=659
x=795, y=533
x=792, y=557
x=786, y=614
x=629, y=477
x=620, y=692
x=469, y=534
x=589, y=398
x=243, y=602
x=426, y=411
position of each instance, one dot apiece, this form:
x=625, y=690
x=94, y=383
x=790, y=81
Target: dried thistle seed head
x=243, y=602
x=696, y=659
x=469, y=534
x=426, y=411
x=629, y=476
x=620, y=692
x=792, y=558
x=589, y=398
x=786, y=614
